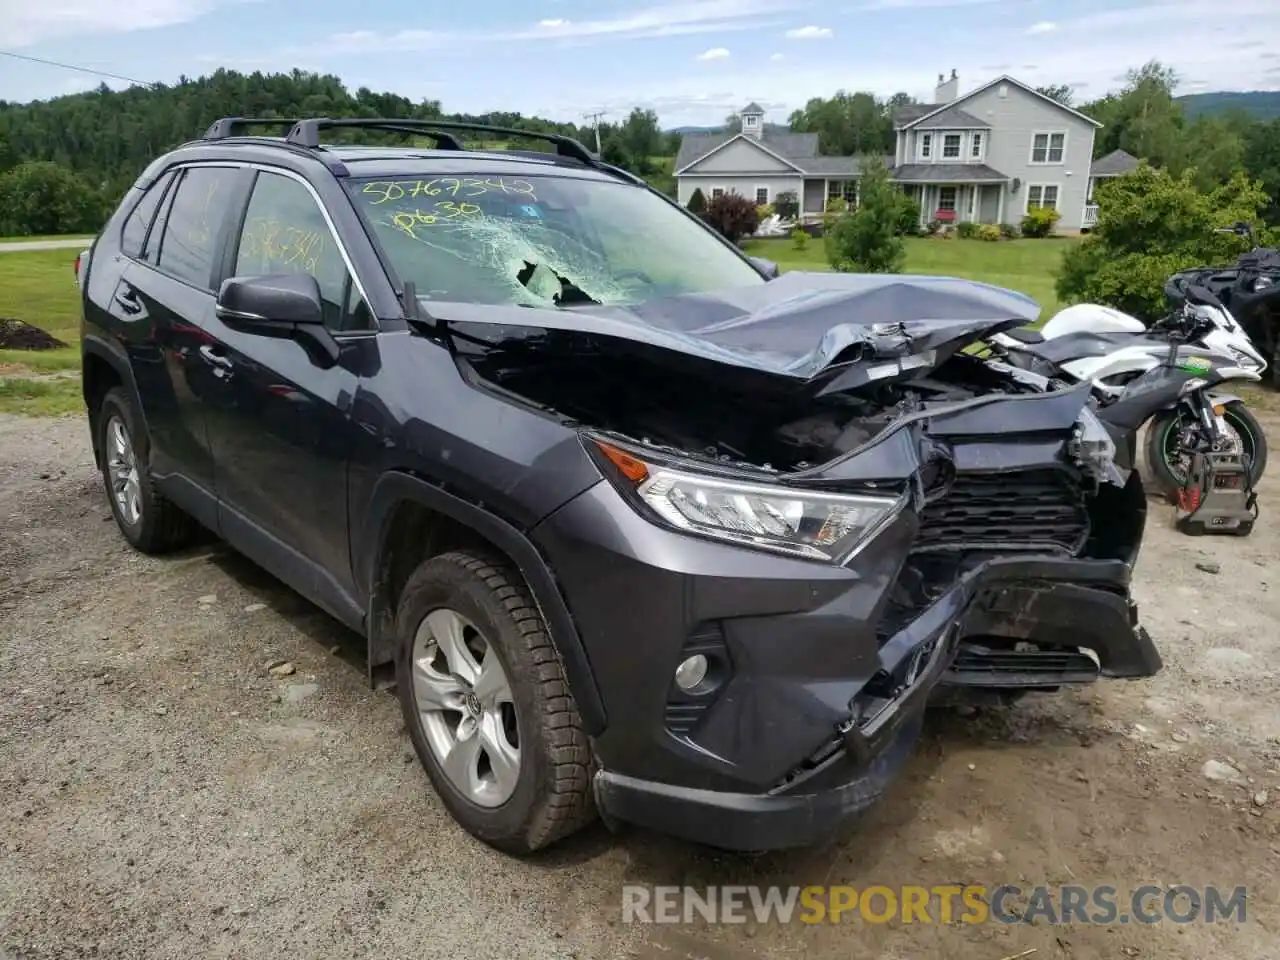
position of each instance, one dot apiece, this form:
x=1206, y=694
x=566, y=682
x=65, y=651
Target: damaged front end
x=838, y=535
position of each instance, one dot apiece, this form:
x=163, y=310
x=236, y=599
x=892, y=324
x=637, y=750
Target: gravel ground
x=163, y=794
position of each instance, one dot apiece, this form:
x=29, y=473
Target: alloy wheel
x=122, y=469
x=466, y=707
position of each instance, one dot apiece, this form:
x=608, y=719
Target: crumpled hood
x=797, y=325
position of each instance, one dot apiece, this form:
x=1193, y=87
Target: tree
x=40, y=197
x=1152, y=224
x=1262, y=161
x=865, y=239
x=641, y=139
x=1058, y=91
x=847, y=124
x=732, y=215
x=697, y=202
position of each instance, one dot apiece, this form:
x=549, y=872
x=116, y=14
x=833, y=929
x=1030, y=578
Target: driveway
x=16, y=246
x=164, y=795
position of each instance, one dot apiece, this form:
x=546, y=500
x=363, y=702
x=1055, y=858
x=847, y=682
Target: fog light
x=691, y=672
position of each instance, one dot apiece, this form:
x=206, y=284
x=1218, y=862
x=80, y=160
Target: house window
x=926, y=146
x=1048, y=147
x=946, y=198
x=762, y=196
x=975, y=149
x=750, y=121
x=951, y=146
x=1042, y=195
x=846, y=190
x=717, y=192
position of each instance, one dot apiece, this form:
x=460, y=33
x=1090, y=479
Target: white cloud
x=809, y=33
x=26, y=22
x=921, y=4
x=775, y=57
x=667, y=19
x=1044, y=26
x=715, y=53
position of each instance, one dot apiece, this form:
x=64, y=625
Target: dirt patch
x=18, y=335
x=166, y=796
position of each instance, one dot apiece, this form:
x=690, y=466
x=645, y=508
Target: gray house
x=761, y=164
x=987, y=156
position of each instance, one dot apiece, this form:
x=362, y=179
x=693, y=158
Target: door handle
x=127, y=298
x=214, y=358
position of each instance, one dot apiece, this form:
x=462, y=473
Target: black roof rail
x=235, y=126
x=307, y=133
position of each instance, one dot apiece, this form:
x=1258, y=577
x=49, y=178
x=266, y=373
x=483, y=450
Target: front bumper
x=812, y=706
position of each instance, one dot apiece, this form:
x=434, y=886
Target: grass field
x=1028, y=266
x=38, y=287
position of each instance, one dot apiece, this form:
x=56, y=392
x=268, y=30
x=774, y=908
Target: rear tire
x=1237, y=415
x=456, y=611
x=148, y=521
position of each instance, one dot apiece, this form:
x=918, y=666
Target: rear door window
x=188, y=248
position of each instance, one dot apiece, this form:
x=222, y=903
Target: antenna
x=594, y=120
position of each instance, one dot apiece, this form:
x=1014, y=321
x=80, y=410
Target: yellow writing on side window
x=389, y=191
x=271, y=243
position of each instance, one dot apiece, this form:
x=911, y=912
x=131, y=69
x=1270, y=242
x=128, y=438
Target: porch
x=958, y=202
x=1090, y=218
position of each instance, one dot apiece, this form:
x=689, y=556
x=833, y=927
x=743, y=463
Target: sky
x=693, y=61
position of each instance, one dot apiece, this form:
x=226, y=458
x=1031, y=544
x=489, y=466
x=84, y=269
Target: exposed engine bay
x=713, y=411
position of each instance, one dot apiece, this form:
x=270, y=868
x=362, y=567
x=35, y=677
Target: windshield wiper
x=570, y=293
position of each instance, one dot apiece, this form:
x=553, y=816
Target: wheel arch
x=409, y=520
x=102, y=367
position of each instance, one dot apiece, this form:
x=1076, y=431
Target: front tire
x=487, y=706
x=1162, y=443
x=148, y=521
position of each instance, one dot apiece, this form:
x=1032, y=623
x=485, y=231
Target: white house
x=987, y=156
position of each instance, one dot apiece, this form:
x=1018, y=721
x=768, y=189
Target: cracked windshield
x=543, y=241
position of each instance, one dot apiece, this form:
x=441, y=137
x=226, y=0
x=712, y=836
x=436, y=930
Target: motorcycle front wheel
x=1168, y=463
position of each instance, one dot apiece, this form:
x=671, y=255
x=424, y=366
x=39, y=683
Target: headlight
x=800, y=523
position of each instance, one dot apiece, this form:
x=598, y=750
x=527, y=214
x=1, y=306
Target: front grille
x=1011, y=511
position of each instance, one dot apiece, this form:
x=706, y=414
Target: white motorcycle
x=1112, y=349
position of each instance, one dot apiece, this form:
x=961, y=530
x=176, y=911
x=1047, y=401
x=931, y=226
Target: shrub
x=908, y=216
x=989, y=232
x=799, y=238
x=837, y=205
x=732, y=215
x=1010, y=231
x=764, y=211
x=932, y=227
x=1152, y=224
x=866, y=239
x=786, y=205
x=697, y=202
x=967, y=229
x=1039, y=221
x=41, y=196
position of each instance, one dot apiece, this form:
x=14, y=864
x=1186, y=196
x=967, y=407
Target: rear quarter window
x=134, y=234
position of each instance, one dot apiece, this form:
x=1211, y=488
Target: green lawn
x=1028, y=266
x=39, y=288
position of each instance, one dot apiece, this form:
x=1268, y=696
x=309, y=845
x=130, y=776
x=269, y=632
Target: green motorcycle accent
x=1195, y=365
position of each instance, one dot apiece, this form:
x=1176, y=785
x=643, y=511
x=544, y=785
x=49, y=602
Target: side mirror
x=767, y=267
x=286, y=306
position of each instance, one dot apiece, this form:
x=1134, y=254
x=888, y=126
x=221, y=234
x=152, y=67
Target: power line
x=72, y=66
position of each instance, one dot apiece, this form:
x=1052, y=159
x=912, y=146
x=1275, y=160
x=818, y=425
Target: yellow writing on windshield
x=389, y=191
x=442, y=211
x=271, y=244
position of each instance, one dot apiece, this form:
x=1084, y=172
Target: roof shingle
x=947, y=173
x=1115, y=164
